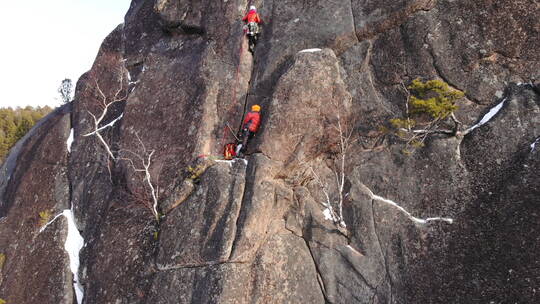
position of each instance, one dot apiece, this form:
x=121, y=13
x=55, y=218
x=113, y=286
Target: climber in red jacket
x=250, y=126
x=252, y=20
x=252, y=16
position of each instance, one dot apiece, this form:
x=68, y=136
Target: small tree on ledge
x=65, y=90
x=432, y=105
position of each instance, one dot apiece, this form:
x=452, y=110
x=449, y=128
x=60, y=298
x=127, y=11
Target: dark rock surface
x=37, y=183
x=255, y=232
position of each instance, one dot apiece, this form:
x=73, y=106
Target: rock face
x=165, y=221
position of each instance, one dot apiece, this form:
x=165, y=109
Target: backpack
x=229, y=151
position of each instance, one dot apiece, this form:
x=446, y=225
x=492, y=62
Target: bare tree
x=105, y=103
x=342, y=126
x=66, y=91
x=141, y=163
x=345, y=141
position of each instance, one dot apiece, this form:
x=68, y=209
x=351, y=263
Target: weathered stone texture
x=255, y=232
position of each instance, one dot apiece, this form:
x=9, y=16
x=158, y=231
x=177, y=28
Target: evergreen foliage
x=434, y=97
x=66, y=91
x=432, y=104
x=15, y=123
x=44, y=217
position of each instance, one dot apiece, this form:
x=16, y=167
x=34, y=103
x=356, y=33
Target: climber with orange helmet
x=250, y=126
x=252, y=20
x=253, y=119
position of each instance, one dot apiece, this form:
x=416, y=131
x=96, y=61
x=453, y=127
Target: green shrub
x=195, y=171
x=402, y=123
x=432, y=103
x=44, y=217
x=433, y=97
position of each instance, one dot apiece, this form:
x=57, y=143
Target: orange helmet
x=255, y=108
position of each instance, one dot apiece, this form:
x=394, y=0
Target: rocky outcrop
x=165, y=221
x=35, y=187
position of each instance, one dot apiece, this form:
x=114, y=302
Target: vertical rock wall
x=455, y=222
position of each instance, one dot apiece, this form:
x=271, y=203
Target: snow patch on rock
x=69, y=141
x=232, y=161
x=327, y=214
x=49, y=223
x=310, y=51
x=73, y=245
x=492, y=112
x=409, y=215
x=533, y=145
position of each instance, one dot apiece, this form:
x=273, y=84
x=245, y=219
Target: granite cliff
x=133, y=161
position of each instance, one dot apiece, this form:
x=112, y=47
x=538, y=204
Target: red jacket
x=252, y=121
x=252, y=16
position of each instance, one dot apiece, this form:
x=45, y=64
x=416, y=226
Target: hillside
x=15, y=123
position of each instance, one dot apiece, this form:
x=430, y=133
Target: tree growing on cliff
x=105, y=103
x=341, y=139
x=140, y=163
x=66, y=91
x=430, y=107
x=146, y=190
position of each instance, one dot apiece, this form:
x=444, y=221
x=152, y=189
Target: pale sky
x=45, y=41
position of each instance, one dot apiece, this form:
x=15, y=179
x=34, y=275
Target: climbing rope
x=226, y=128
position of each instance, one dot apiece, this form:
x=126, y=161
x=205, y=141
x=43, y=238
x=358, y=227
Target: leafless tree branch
x=105, y=104
x=145, y=160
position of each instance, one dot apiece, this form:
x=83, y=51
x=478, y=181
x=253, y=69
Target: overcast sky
x=45, y=41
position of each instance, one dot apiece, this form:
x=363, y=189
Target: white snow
x=413, y=218
x=310, y=51
x=330, y=215
x=69, y=141
x=488, y=116
x=409, y=215
x=50, y=222
x=533, y=145
x=434, y=219
x=327, y=214
x=73, y=245
x=230, y=162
